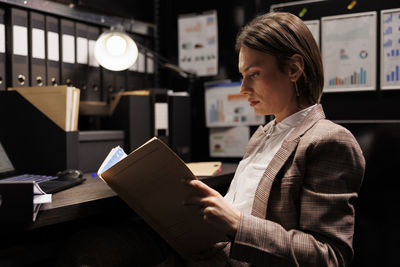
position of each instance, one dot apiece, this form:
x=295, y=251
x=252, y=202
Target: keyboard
x=49, y=184
x=30, y=177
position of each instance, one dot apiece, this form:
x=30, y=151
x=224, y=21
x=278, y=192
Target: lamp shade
x=115, y=50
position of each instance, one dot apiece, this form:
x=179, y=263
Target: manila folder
x=149, y=181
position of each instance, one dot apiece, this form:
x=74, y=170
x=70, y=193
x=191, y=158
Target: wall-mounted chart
x=225, y=107
x=390, y=49
x=349, y=52
x=313, y=26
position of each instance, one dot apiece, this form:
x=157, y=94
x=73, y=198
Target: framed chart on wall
x=349, y=52
x=390, y=49
x=313, y=26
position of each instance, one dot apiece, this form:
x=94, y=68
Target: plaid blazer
x=303, y=211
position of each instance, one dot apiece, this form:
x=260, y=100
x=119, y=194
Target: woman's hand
x=213, y=207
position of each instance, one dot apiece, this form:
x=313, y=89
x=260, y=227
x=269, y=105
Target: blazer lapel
x=255, y=140
x=260, y=203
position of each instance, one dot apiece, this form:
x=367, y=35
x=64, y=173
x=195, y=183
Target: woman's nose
x=244, y=89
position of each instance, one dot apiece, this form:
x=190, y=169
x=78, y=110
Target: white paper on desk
x=41, y=199
x=39, y=196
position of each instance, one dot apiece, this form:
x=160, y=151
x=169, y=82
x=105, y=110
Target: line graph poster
x=225, y=107
x=349, y=52
x=390, y=49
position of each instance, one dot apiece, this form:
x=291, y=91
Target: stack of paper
x=39, y=198
x=58, y=103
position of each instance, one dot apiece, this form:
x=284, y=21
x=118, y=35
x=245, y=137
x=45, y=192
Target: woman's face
x=268, y=90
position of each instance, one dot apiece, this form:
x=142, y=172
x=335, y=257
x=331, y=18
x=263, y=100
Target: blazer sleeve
x=333, y=170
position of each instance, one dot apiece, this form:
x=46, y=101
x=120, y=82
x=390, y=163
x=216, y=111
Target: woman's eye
x=255, y=74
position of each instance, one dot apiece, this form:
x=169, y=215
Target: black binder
x=120, y=81
x=135, y=80
x=34, y=143
x=108, y=80
x=108, y=83
x=37, y=49
x=179, y=118
x=68, y=53
x=94, y=93
x=82, y=58
x=160, y=99
x=17, y=47
x=53, y=51
x=16, y=202
x=3, y=79
x=133, y=114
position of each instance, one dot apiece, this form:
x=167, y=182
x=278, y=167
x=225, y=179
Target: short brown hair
x=282, y=35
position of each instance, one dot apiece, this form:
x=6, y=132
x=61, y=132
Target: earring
x=297, y=89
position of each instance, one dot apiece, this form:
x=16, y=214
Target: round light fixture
x=115, y=50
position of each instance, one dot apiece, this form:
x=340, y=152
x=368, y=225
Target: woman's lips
x=253, y=102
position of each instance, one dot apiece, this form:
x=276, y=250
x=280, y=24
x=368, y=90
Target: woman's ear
x=296, y=67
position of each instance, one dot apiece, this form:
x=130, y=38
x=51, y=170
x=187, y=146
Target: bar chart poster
x=226, y=107
x=390, y=49
x=349, y=52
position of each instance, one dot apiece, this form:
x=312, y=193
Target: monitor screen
x=5, y=163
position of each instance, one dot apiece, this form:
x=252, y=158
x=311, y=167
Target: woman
x=291, y=200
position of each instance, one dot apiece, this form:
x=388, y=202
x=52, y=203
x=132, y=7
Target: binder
x=160, y=113
x=53, y=51
x=17, y=202
x=179, y=117
x=94, y=92
x=21, y=201
x=133, y=114
x=67, y=34
x=120, y=81
x=82, y=59
x=3, y=79
x=17, y=49
x=135, y=80
x=37, y=49
x=108, y=81
x=32, y=141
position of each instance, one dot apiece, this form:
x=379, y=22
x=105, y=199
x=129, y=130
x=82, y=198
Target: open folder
x=58, y=103
x=149, y=181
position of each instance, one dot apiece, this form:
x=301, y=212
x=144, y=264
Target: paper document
x=205, y=168
x=39, y=198
x=58, y=103
x=149, y=181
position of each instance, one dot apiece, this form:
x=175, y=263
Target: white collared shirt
x=251, y=169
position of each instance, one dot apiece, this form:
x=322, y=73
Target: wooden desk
x=94, y=197
x=89, y=205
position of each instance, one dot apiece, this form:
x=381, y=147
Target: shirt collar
x=290, y=122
